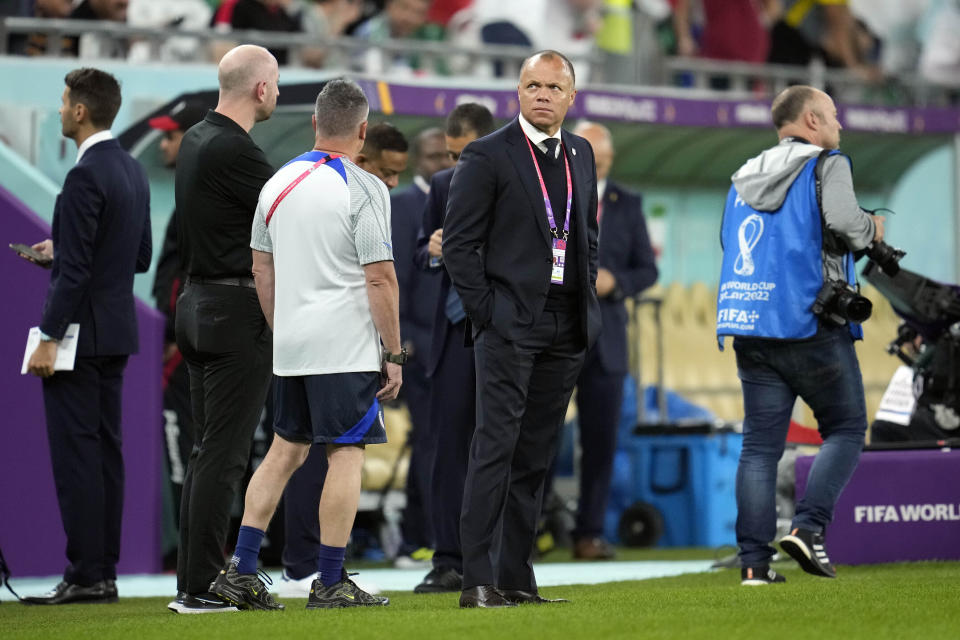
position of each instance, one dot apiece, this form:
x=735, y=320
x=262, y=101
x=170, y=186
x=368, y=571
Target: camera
x=886, y=257
x=836, y=297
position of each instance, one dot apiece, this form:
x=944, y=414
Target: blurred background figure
x=178, y=425
x=257, y=15
x=418, y=295
x=399, y=20
x=174, y=15
x=328, y=19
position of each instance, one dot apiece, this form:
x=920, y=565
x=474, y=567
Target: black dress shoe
x=441, y=580
x=66, y=593
x=484, y=597
x=528, y=597
x=111, y=588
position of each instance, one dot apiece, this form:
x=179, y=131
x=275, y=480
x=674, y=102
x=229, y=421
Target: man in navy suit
x=520, y=244
x=626, y=268
x=449, y=367
x=418, y=294
x=101, y=237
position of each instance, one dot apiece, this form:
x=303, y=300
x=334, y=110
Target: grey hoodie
x=763, y=183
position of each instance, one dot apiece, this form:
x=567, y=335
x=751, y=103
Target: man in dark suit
x=626, y=268
x=520, y=244
x=101, y=237
x=449, y=367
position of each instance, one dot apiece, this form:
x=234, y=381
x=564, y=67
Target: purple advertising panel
x=652, y=109
x=31, y=533
x=899, y=505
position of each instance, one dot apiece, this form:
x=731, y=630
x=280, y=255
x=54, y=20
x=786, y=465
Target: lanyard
x=546, y=197
x=316, y=165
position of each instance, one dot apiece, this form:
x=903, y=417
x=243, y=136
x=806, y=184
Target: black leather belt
x=230, y=282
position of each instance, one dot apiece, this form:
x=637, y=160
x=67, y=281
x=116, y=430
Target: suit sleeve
x=640, y=271
x=466, y=227
x=593, y=228
x=81, y=204
x=432, y=220
x=145, y=252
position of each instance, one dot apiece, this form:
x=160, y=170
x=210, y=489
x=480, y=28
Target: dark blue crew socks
x=248, y=548
x=330, y=564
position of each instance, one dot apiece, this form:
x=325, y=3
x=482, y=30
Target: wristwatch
x=395, y=358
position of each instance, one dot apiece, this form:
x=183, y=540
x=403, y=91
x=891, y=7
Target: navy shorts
x=339, y=408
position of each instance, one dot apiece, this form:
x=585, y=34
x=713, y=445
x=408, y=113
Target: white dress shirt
x=537, y=137
x=99, y=136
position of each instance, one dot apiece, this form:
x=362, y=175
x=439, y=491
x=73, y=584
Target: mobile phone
x=34, y=255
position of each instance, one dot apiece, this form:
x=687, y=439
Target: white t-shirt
x=333, y=222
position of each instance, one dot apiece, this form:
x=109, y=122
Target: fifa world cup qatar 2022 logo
x=748, y=235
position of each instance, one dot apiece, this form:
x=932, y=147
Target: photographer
x=790, y=226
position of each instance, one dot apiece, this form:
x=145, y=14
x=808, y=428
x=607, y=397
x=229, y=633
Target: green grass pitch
x=920, y=600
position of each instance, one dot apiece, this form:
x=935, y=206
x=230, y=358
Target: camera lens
x=854, y=307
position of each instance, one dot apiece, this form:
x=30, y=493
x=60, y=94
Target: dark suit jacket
x=432, y=219
x=418, y=290
x=496, y=241
x=101, y=236
x=625, y=251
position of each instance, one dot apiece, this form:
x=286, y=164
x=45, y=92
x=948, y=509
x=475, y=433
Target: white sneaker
x=288, y=587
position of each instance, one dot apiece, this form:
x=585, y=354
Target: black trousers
x=83, y=427
x=227, y=344
x=417, y=514
x=599, y=399
x=523, y=388
x=453, y=407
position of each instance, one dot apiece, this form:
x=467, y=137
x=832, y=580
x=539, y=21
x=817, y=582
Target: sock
x=248, y=548
x=330, y=564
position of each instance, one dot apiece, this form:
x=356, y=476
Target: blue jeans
x=823, y=370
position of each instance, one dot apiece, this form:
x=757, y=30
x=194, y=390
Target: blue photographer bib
x=772, y=265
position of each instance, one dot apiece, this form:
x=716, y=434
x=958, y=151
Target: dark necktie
x=552, y=144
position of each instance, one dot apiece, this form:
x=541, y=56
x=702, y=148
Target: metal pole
x=956, y=206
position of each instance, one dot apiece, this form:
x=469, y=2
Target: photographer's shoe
x=244, y=590
x=759, y=576
x=806, y=547
x=342, y=594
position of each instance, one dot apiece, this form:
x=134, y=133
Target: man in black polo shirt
x=220, y=328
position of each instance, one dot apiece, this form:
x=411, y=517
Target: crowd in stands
x=623, y=40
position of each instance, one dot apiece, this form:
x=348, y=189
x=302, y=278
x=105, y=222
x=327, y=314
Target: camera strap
x=830, y=244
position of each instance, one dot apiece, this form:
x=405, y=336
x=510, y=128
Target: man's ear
x=313, y=122
x=80, y=112
x=260, y=91
x=363, y=130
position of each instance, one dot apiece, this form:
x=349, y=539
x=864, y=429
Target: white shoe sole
x=179, y=607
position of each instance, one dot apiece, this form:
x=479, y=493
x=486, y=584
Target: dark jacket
x=101, y=237
x=496, y=240
x=625, y=251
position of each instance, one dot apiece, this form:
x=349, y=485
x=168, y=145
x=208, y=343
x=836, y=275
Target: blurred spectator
x=442, y=10
x=819, y=28
x=629, y=42
x=171, y=15
x=897, y=24
x=940, y=59
x=93, y=45
x=731, y=30
x=259, y=15
x=399, y=20
x=328, y=19
x=567, y=26
x=35, y=44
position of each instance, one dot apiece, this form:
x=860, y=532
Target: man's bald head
x=602, y=142
x=243, y=67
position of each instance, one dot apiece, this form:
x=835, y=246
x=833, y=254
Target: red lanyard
x=316, y=165
x=546, y=197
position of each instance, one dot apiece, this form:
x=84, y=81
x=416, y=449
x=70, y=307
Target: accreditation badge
x=559, y=259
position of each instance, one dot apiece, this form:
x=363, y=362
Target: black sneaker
x=758, y=576
x=441, y=580
x=245, y=590
x=200, y=603
x=806, y=547
x=342, y=594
